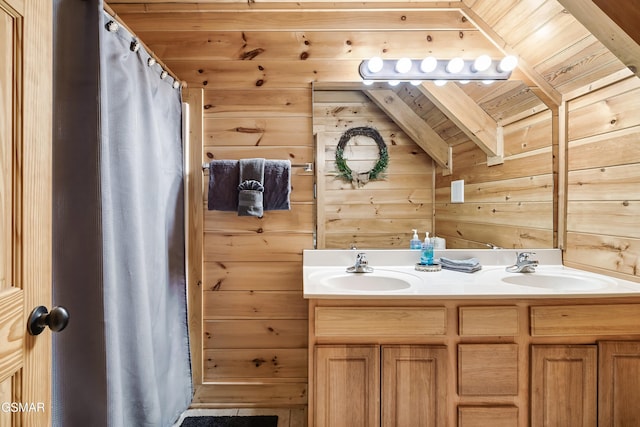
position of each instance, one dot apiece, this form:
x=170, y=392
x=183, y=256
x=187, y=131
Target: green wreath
x=380, y=166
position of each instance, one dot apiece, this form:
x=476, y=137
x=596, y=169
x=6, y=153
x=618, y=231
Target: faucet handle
x=361, y=258
x=524, y=256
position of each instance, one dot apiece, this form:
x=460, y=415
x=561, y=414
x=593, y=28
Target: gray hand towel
x=250, y=197
x=470, y=265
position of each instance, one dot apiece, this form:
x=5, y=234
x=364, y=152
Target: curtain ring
x=176, y=84
x=112, y=26
x=151, y=62
x=163, y=74
x=135, y=46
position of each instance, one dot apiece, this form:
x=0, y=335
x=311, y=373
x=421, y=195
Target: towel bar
x=308, y=167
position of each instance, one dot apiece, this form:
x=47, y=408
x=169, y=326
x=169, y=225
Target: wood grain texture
x=564, y=385
x=414, y=385
x=619, y=383
x=347, y=386
x=380, y=321
x=247, y=394
x=568, y=320
x=488, y=321
x=35, y=266
x=481, y=416
x=194, y=225
x=488, y=369
x=255, y=364
x=11, y=326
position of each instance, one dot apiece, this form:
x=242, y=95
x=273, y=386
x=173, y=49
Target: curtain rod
x=308, y=167
x=115, y=16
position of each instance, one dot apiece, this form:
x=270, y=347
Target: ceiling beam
x=607, y=31
x=542, y=88
x=413, y=125
x=479, y=126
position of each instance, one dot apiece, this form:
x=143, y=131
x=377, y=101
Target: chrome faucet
x=524, y=264
x=361, y=265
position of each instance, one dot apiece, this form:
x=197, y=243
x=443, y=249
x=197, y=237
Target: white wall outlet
x=457, y=191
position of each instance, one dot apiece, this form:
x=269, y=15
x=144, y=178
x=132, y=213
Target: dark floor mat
x=234, y=421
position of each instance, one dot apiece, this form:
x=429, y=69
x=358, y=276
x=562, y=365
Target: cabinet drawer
x=488, y=369
x=606, y=319
x=479, y=416
x=488, y=321
x=380, y=321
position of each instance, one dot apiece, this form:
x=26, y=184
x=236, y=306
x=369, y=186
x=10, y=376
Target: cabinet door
x=414, y=386
x=563, y=385
x=347, y=386
x=619, y=383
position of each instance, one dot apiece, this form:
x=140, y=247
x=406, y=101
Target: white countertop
x=493, y=281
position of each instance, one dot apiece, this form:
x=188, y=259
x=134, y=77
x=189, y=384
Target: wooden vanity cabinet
x=596, y=383
x=388, y=385
x=618, y=383
x=564, y=385
x=475, y=363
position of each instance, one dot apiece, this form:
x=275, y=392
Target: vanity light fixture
x=483, y=68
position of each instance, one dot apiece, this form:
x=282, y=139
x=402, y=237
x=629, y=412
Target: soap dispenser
x=426, y=258
x=415, y=242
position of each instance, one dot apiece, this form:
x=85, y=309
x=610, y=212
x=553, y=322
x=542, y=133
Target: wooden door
x=618, y=383
x=347, y=386
x=414, y=386
x=25, y=209
x=564, y=385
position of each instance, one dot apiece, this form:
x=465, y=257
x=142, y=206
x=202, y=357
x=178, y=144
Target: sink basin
x=562, y=282
x=556, y=279
x=377, y=281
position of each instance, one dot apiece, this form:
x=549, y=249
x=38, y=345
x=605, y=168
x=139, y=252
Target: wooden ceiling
x=246, y=44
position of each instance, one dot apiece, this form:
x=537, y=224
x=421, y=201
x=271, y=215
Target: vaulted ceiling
x=564, y=48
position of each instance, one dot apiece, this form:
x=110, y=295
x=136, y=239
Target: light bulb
x=482, y=63
x=488, y=82
x=455, y=65
x=428, y=64
x=508, y=63
x=415, y=82
x=403, y=65
x=440, y=82
x=463, y=82
x=367, y=82
x=394, y=82
x=375, y=64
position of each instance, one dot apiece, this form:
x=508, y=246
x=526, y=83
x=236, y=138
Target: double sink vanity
x=395, y=346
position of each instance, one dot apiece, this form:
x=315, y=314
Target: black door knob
x=56, y=320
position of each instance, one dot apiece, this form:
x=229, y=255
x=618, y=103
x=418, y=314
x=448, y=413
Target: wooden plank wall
x=381, y=213
x=603, y=209
x=255, y=318
x=508, y=205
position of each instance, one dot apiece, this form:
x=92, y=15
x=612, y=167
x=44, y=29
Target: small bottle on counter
x=415, y=242
x=426, y=258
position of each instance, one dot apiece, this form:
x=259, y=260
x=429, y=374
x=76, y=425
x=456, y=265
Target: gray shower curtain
x=119, y=255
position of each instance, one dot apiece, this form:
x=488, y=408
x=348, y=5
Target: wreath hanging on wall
x=376, y=171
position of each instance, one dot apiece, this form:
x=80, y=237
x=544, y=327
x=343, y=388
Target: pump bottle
x=415, y=242
x=426, y=258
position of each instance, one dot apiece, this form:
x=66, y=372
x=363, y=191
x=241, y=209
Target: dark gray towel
x=224, y=178
x=277, y=185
